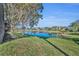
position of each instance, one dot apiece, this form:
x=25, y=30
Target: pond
x=41, y=34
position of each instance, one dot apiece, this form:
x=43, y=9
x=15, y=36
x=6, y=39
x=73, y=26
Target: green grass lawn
x=34, y=46
x=28, y=46
x=74, y=37
x=68, y=46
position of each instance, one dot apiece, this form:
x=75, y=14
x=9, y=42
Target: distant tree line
x=73, y=27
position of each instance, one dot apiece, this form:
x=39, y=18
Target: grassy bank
x=35, y=46
x=28, y=46
x=68, y=46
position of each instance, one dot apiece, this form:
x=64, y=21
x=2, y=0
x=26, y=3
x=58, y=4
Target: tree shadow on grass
x=56, y=47
x=45, y=39
x=76, y=41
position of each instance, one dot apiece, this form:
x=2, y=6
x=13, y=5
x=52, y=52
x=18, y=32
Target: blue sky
x=58, y=14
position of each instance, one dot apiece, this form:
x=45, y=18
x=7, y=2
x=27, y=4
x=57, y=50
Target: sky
x=59, y=14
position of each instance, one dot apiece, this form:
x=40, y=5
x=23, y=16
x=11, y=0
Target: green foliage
x=23, y=13
x=56, y=28
x=75, y=26
x=18, y=35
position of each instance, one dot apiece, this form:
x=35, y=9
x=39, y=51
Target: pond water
x=41, y=34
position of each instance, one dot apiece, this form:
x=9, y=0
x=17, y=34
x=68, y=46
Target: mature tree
x=14, y=13
x=2, y=26
x=75, y=26
x=23, y=13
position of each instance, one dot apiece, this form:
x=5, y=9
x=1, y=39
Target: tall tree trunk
x=2, y=26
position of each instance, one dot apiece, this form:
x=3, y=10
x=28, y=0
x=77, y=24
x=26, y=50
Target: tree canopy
x=75, y=26
x=23, y=13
